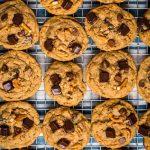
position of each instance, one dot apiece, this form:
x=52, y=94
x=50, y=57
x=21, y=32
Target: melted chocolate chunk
x=68, y=126
x=4, y=130
x=123, y=111
x=54, y=126
x=56, y=90
x=70, y=75
x=91, y=17
x=4, y=17
x=55, y=78
x=119, y=17
x=144, y=130
x=48, y=44
x=16, y=75
x=21, y=33
x=63, y=143
x=17, y=19
x=123, y=64
x=105, y=64
x=8, y=86
x=12, y=39
x=104, y=76
x=132, y=119
x=111, y=42
x=142, y=83
x=28, y=123
x=118, y=77
x=110, y=133
x=124, y=29
x=67, y=4
x=76, y=48
x=17, y=130
x=122, y=140
x=5, y=68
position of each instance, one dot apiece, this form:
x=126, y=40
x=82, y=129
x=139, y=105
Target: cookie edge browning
x=120, y=1
x=47, y=76
x=43, y=32
x=128, y=56
x=138, y=74
x=114, y=101
x=67, y=12
x=36, y=116
x=39, y=69
x=47, y=118
x=95, y=40
x=35, y=36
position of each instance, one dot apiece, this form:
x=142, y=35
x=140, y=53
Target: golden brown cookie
x=111, y=1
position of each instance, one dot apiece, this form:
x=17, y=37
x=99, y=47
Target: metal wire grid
x=43, y=102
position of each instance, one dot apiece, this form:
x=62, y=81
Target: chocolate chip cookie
x=111, y=1
x=144, y=28
x=63, y=38
x=63, y=82
x=111, y=74
x=19, y=125
x=61, y=7
x=20, y=76
x=143, y=79
x=114, y=123
x=111, y=27
x=18, y=25
x=64, y=128
x=144, y=128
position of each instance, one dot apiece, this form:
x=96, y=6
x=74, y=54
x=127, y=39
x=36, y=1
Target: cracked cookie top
x=61, y=7
x=114, y=123
x=18, y=25
x=143, y=79
x=19, y=125
x=63, y=82
x=111, y=27
x=64, y=128
x=20, y=76
x=111, y=74
x=63, y=38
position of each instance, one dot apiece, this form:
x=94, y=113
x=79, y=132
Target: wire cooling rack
x=43, y=102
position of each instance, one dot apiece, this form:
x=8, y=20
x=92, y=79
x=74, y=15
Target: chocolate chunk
x=118, y=77
x=67, y=4
x=122, y=140
x=105, y=64
x=91, y=17
x=17, y=130
x=21, y=33
x=18, y=19
x=4, y=130
x=104, y=76
x=132, y=119
x=124, y=29
x=12, y=39
x=56, y=90
x=63, y=143
x=28, y=123
x=111, y=42
x=70, y=75
x=4, y=17
x=123, y=111
x=123, y=64
x=68, y=126
x=110, y=133
x=119, y=17
x=54, y=126
x=55, y=78
x=48, y=44
x=16, y=75
x=144, y=130
x=4, y=68
x=142, y=83
x=76, y=48
x=8, y=86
